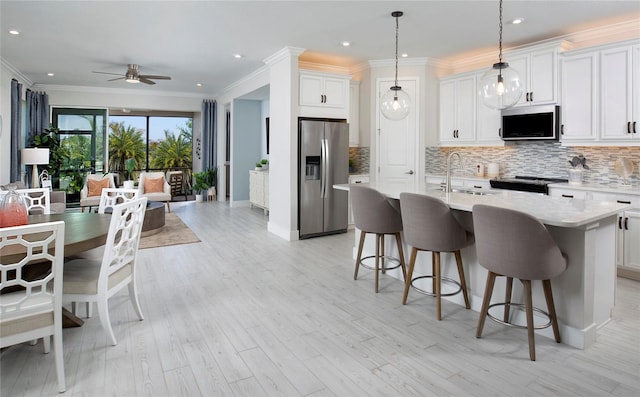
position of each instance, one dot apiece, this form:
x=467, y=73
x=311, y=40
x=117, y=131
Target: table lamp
x=34, y=157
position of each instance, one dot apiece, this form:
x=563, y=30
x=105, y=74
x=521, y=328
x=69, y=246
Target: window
x=82, y=149
x=156, y=142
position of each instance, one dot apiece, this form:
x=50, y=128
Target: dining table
x=82, y=232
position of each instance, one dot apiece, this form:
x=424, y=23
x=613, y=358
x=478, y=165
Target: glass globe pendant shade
x=501, y=87
x=395, y=104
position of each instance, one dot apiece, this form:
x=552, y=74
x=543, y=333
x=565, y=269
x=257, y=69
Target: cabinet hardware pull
x=410, y=172
x=500, y=132
x=531, y=96
x=623, y=202
x=567, y=195
x=628, y=127
x=477, y=187
x=634, y=127
x=527, y=97
x=562, y=129
x=358, y=182
x=620, y=222
x=626, y=223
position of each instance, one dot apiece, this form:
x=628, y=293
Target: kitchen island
x=584, y=230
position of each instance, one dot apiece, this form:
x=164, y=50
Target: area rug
x=173, y=232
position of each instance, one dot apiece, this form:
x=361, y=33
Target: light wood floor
x=246, y=313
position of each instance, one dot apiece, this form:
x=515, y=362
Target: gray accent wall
x=246, y=144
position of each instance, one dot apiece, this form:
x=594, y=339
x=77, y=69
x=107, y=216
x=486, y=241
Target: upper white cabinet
x=354, y=113
x=488, y=120
x=457, y=109
x=579, y=97
x=538, y=72
x=600, y=100
x=620, y=85
x=324, y=95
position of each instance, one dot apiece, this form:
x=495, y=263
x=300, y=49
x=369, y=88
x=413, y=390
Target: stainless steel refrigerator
x=323, y=161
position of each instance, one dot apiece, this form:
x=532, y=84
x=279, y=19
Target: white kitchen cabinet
x=628, y=234
x=457, y=109
x=488, y=120
x=620, y=93
x=579, y=99
x=259, y=190
x=354, y=113
x=324, y=95
x=538, y=72
x=353, y=179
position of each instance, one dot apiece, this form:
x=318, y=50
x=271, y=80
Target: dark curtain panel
x=16, y=127
x=37, y=114
x=209, y=135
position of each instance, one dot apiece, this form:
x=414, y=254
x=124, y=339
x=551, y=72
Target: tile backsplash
x=532, y=159
x=536, y=159
x=360, y=158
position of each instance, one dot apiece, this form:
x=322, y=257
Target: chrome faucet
x=447, y=187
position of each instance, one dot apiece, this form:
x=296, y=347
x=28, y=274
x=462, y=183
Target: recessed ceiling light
x=404, y=55
x=346, y=43
x=517, y=21
x=237, y=56
x=125, y=110
x=50, y=74
x=13, y=31
x=199, y=84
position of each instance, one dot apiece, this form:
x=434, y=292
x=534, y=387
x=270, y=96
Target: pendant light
x=395, y=103
x=501, y=86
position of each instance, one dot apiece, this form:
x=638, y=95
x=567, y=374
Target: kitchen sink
x=472, y=191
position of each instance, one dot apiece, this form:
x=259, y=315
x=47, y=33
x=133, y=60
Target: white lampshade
x=32, y=156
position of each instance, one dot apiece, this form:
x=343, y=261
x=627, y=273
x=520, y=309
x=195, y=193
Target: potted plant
x=579, y=164
x=212, y=181
x=258, y=166
x=200, y=184
x=265, y=164
x=130, y=165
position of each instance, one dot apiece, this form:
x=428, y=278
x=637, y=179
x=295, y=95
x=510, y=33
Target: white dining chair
x=32, y=309
x=38, y=200
x=90, y=280
x=112, y=196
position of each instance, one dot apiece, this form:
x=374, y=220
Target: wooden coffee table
x=153, y=219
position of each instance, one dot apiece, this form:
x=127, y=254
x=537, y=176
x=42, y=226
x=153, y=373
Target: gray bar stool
x=429, y=225
x=373, y=213
x=516, y=245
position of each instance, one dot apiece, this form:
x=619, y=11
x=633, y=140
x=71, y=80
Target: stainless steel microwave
x=531, y=123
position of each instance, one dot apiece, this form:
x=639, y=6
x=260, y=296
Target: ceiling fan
x=133, y=76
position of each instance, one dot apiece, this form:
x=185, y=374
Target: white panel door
x=397, y=141
x=616, y=93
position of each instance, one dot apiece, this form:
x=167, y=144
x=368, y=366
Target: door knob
x=410, y=172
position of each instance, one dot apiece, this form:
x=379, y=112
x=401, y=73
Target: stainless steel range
x=526, y=183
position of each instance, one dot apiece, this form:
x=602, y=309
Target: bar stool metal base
x=443, y=280
x=383, y=261
x=521, y=307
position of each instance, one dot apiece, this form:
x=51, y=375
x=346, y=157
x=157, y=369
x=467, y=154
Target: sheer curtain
x=16, y=127
x=209, y=135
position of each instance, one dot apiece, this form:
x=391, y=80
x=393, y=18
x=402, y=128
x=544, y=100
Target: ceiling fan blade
x=115, y=74
x=150, y=76
x=146, y=81
x=119, y=78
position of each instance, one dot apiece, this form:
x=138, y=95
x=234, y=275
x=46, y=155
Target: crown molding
x=249, y=77
x=6, y=65
x=321, y=67
x=118, y=91
x=286, y=52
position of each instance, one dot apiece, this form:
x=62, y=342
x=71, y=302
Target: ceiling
x=194, y=41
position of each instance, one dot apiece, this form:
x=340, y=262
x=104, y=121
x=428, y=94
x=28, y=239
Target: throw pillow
x=95, y=186
x=153, y=185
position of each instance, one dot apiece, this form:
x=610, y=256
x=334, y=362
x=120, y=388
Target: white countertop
x=554, y=211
